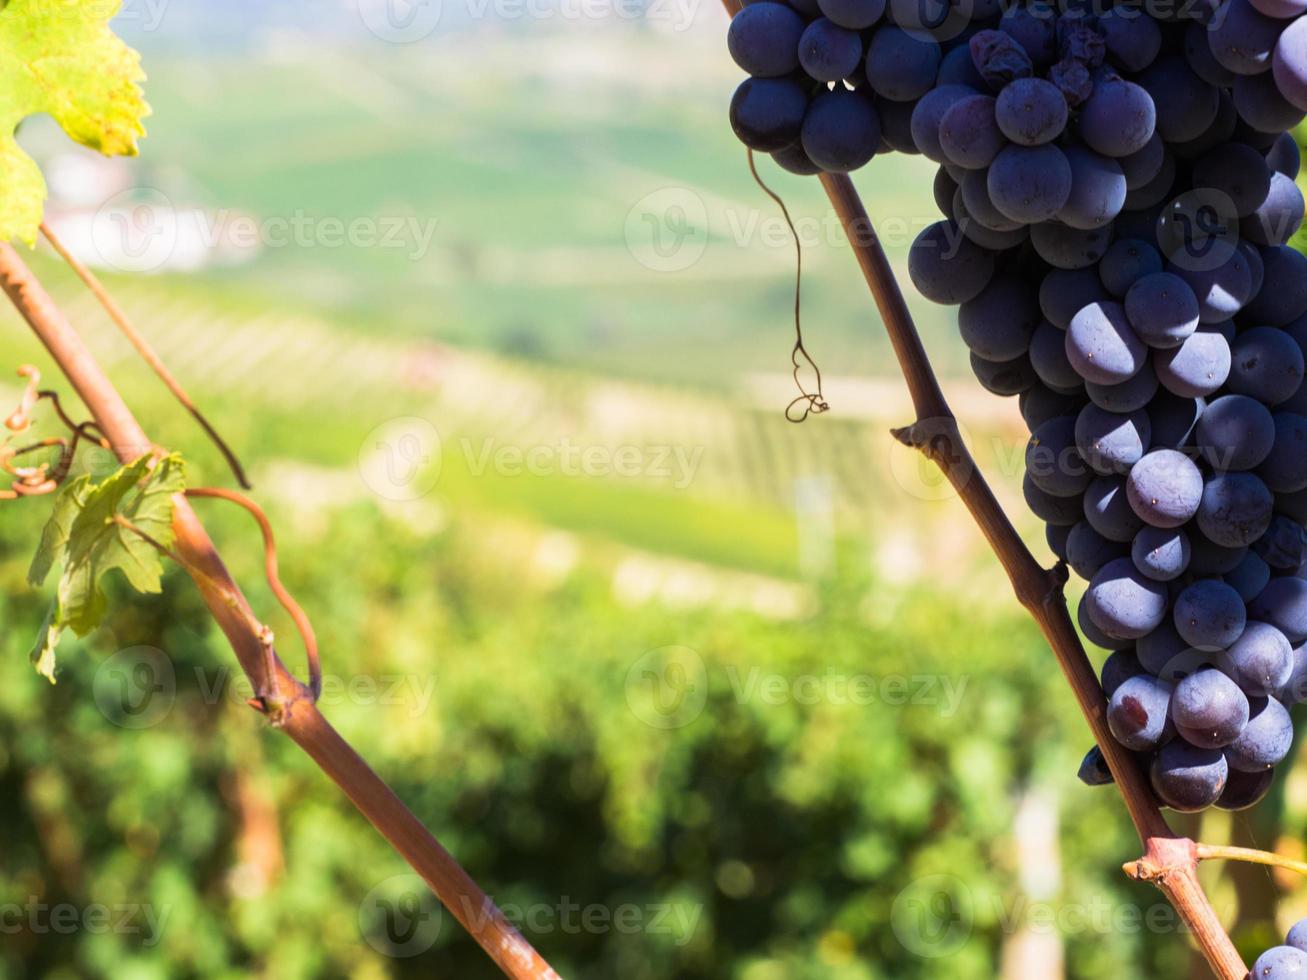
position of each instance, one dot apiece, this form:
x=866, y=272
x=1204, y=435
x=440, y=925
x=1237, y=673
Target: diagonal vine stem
x=302, y=721
x=1169, y=862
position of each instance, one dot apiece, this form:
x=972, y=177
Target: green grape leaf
x=93, y=531
x=60, y=57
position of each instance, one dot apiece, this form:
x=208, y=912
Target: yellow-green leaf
x=60, y=57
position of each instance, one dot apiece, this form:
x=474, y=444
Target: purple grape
x=1123, y=603
x=1165, y=488
x=1265, y=740
x=1209, y=710
x=1139, y=713
x=1187, y=778
x=1210, y=615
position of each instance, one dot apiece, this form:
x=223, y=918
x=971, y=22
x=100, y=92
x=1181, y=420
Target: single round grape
x=1236, y=433
x=1103, y=346
x=1047, y=507
x=1030, y=184
x=1267, y=365
x=1162, y=309
x=828, y=52
x=1064, y=293
x=1087, y=551
x=1286, y=270
x=1165, y=488
x=1048, y=356
x=1283, y=604
x=1143, y=166
x=841, y=131
x=946, y=267
x=975, y=195
x=1260, y=661
x=1031, y=111
x=968, y=134
x=1139, y=713
x=1162, y=554
x=999, y=323
x=1056, y=536
x=1289, y=64
x=1265, y=740
x=927, y=116
x=1188, y=779
x=901, y=66
x=1035, y=29
x=767, y=113
x=1297, y=937
x=1244, y=39
x=1119, y=118
x=764, y=39
x=1094, y=770
x=1185, y=104
x=1210, y=615
x=1235, y=510
x=1123, y=603
x=1133, y=39
x=1004, y=378
x=1277, y=217
x=1164, y=653
x=1244, y=790
x=1110, y=442
x=1209, y=710
x=1128, y=396
x=1249, y=577
x=1263, y=106
x=1196, y=368
x=1125, y=263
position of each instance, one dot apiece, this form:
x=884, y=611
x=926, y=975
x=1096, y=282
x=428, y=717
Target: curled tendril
x=34, y=481
x=811, y=403
x=21, y=419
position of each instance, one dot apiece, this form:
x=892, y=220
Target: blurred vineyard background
x=695, y=692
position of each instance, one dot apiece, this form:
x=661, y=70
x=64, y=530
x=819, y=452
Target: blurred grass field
x=490, y=641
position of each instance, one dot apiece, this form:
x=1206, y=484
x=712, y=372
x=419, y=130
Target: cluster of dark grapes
x=1283, y=962
x=1118, y=185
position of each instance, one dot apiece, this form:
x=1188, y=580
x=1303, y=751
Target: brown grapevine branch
x=303, y=722
x=143, y=348
x=1169, y=862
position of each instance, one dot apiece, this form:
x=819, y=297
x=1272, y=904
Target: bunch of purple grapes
x=1118, y=185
